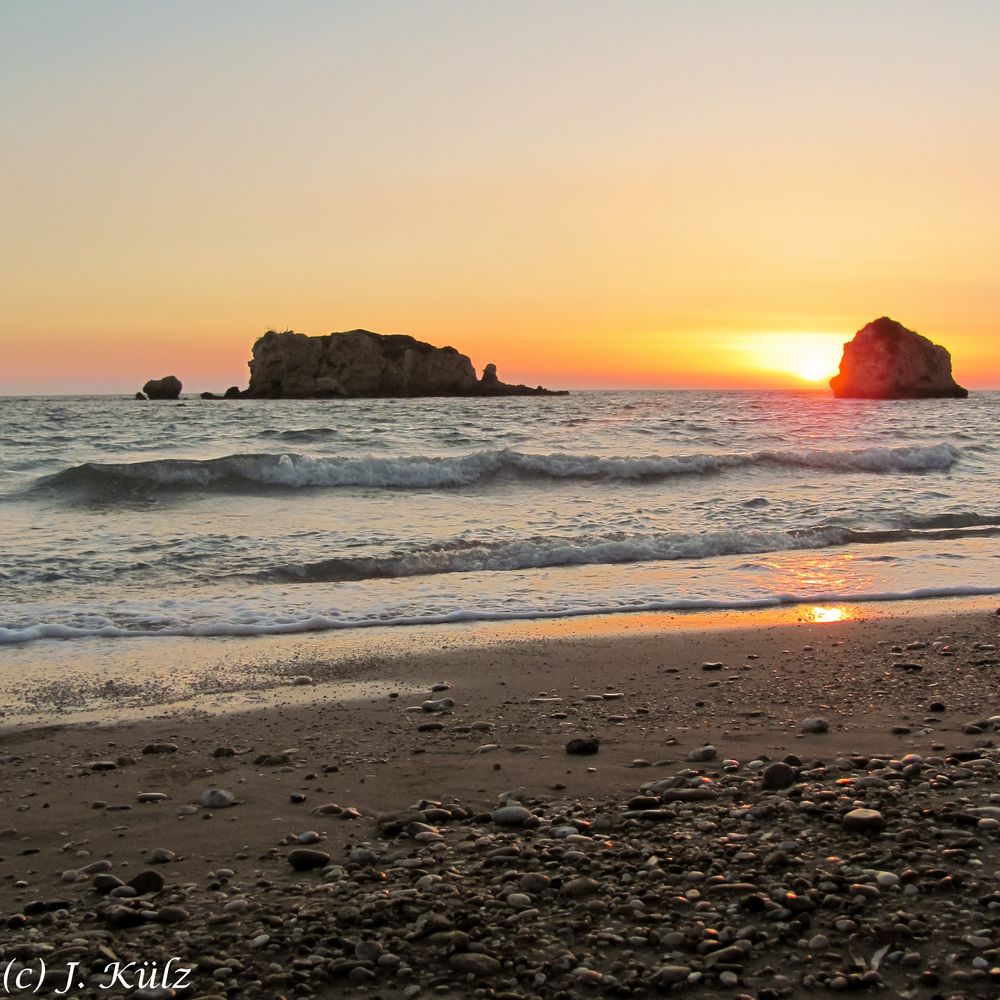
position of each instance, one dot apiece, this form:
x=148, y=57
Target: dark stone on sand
x=155, y=748
x=777, y=775
x=168, y=387
x=864, y=821
x=146, y=882
x=121, y=916
x=936, y=706
x=304, y=859
x=885, y=360
x=583, y=746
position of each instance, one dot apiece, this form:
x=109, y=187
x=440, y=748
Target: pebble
x=583, y=746
x=864, y=821
x=702, y=754
x=815, y=725
x=438, y=705
x=304, y=859
x=217, y=798
x=777, y=775
x=512, y=815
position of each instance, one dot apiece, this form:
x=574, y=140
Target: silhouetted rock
x=887, y=361
x=360, y=363
x=233, y=392
x=209, y=395
x=163, y=388
x=139, y=395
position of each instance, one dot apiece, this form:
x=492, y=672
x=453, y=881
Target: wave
x=295, y=471
x=288, y=625
x=464, y=556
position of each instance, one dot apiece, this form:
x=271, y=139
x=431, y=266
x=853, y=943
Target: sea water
x=123, y=518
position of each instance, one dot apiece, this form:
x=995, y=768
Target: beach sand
x=355, y=735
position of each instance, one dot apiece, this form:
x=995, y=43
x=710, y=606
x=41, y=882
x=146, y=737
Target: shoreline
x=398, y=806
x=113, y=680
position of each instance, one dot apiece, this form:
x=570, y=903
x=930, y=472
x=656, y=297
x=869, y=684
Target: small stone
x=702, y=754
x=160, y=748
x=368, y=951
x=711, y=665
x=217, y=798
x=302, y=680
x=146, y=882
x=777, y=775
x=512, y=815
x=438, y=705
x=583, y=746
x=864, y=821
x=575, y=888
x=475, y=963
x=162, y=856
x=304, y=859
x=815, y=725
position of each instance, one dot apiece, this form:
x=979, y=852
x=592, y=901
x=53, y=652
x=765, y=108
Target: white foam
x=298, y=471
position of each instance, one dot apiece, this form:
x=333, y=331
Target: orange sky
x=593, y=194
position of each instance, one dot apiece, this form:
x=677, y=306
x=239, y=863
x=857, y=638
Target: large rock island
x=885, y=360
x=359, y=363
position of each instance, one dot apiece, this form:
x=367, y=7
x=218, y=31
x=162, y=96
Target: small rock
x=864, y=821
x=304, y=859
x=146, y=882
x=777, y=775
x=816, y=725
x=512, y=815
x=217, y=798
x=583, y=746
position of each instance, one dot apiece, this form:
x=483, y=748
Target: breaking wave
x=464, y=556
x=295, y=471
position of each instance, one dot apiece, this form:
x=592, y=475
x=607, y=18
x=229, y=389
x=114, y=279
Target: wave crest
x=295, y=471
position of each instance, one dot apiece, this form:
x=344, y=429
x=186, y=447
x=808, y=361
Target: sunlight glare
x=809, y=357
x=834, y=614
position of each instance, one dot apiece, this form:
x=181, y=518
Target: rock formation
x=885, y=360
x=360, y=363
x=168, y=387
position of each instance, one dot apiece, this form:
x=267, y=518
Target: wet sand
x=341, y=724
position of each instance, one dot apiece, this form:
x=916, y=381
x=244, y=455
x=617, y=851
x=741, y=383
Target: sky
x=615, y=194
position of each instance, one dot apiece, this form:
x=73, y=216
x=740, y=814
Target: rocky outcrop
x=168, y=387
x=233, y=392
x=885, y=360
x=359, y=363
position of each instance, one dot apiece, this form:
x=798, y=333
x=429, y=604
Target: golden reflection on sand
x=820, y=615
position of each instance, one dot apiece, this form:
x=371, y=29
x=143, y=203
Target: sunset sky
x=619, y=194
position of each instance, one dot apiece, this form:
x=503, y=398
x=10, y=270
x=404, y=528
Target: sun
x=806, y=357
x=815, y=369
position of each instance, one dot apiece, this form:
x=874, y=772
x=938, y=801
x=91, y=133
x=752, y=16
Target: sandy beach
x=331, y=755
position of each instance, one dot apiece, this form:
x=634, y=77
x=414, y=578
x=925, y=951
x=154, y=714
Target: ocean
x=121, y=518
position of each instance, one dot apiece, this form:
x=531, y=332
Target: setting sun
x=807, y=357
